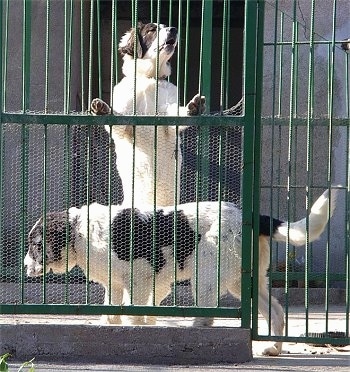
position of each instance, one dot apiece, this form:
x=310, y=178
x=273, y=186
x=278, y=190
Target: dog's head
x=152, y=41
x=50, y=236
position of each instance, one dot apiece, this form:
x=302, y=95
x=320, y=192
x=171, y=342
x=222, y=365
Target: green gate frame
x=250, y=121
x=294, y=120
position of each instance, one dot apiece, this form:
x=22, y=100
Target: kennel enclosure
x=285, y=142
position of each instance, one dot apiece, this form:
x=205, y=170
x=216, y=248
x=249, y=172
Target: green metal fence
x=305, y=149
x=54, y=155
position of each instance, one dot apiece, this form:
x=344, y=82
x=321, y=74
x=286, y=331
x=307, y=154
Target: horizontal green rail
x=315, y=42
x=203, y=120
x=299, y=275
x=303, y=122
x=308, y=339
x=89, y=309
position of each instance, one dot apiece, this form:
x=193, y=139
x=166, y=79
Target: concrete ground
x=295, y=356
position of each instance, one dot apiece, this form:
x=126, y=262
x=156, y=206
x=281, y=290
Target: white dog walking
x=184, y=240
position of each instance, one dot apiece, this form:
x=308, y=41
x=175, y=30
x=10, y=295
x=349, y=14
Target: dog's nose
x=172, y=31
x=171, y=35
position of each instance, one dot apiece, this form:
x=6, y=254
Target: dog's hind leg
x=268, y=306
x=206, y=294
x=271, y=307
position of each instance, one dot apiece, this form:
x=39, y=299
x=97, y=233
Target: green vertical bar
x=274, y=91
x=185, y=79
x=68, y=24
x=4, y=48
x=254, y=13
x=45, y=166
x=45, y=138
x=347, y=202
x=27, y=9
x=114, y=51
x=205, y=50
x=156, y=98
x=68, y=41
x=132, y=220
x=99, y=47
x=26, y=51
x=82, y=57
x=111, y=151
x=67, y=169
x=2, y=66
x=330, y=148
x=347, y=199
x=257, y=125
x=88, y=201
x=205, y=89
x=178, y=84
x=91, y=51
x=280, y=67
x=220, y=191
x=47, y=56
x=248, y=145
x=291, y=141
x=2, y=104
x=228, y=47
x=224, y=56
x=309, y=156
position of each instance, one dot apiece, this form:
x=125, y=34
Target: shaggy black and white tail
x=320, y=213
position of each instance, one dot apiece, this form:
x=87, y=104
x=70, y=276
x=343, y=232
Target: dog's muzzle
x=33, y=268
x=170, y=40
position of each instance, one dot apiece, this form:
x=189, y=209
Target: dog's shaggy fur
x=163, y=239
x=136, y=94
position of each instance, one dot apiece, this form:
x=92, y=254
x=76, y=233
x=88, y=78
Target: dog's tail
x=320, y=213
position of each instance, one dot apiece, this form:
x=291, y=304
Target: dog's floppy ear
x=127, y=42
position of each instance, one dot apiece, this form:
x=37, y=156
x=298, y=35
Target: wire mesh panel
x=130, y=138
x=136, y=207
x=305, y=149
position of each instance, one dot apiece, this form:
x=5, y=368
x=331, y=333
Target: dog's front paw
x=274, y=350
x=99, y=107
x=110, y=319
x=196, y=106
x=203, y=322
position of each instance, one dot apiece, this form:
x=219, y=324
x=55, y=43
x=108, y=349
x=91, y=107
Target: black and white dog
x=148, y=156
x=155, y=242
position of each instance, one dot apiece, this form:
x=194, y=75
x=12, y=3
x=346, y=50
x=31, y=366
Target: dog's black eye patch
x=149, y=28
x=35, y=252
x=147, y=34
x=57, y=234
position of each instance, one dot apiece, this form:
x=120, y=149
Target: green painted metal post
x=26, y=73
x=205, y=89
x=250, y=181
x=1, y=137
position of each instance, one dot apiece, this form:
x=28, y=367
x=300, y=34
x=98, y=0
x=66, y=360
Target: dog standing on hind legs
x=147, y=178
x=136, y=146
